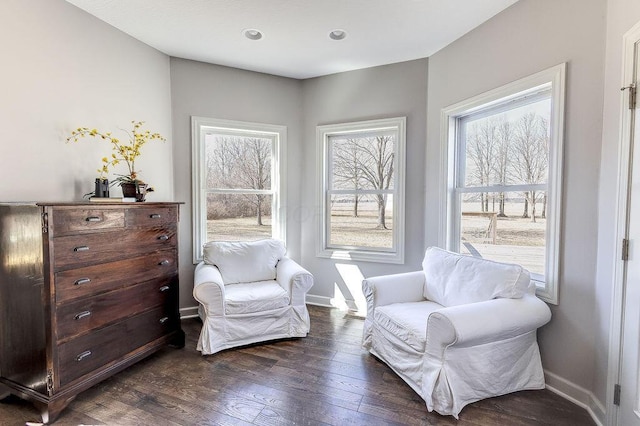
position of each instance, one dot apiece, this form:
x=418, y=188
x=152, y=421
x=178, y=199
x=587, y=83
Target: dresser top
x=108, y=203
x=87, y=203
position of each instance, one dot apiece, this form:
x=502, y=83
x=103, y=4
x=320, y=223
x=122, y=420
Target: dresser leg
x=51, y=410
x=178, y=340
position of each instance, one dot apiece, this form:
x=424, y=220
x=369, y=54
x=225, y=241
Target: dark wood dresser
x=86, y=290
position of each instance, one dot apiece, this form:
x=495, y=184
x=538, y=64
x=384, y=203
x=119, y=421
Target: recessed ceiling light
x=337, y=34
x=252, y=34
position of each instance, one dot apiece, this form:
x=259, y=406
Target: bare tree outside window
x=377, y=169
x=364, y=164
x=347, y=168
x=502, y=162
x=530, y=150
x=362, y=170
x=502, y=150
x=482, y=147
x=239, y=183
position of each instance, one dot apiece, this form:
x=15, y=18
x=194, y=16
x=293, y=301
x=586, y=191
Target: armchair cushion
x=244, y=298
x=245, y=262
x=455, y=279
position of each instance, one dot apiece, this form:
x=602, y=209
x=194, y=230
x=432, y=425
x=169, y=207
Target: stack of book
x=113, y=199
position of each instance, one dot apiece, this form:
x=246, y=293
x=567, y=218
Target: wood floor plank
x=409, y=417
x=283, y=390
x=270, y=417
x=323, y=379
x=332, y=416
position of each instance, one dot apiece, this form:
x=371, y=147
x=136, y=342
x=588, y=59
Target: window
x=505, y=175
x=362, y=190
x=238, y=175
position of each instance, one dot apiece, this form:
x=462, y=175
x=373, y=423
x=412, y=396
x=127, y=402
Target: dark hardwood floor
x=325, y=378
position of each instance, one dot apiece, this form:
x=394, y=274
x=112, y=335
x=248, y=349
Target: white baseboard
x=578, y=395
x=319, y=301
x=334, y=302
x=190, y=312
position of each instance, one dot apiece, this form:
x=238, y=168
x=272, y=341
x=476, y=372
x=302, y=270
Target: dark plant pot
x=137, y=190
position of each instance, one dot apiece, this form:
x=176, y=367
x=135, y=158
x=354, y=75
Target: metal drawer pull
x=82, y=315
x=82, y=281
x=163, y=320
x=81, y=248
x=164, y=288
x=163, y=237
x=154, y=216
x=164, y=262
x=93, y=219
x=83, y=355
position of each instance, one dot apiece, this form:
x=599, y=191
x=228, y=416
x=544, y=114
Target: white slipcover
x=241, y=313
x=458, y=354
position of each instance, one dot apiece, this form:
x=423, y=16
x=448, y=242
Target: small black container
x=102, y=188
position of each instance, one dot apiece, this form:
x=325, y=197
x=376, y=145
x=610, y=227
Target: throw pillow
x=455, y=279
x=243, y=262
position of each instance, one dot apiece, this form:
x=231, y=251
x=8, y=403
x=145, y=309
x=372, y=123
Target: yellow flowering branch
x=126, y=152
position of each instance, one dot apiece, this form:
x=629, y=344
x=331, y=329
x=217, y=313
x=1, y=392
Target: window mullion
x=240, y=191
x=503, y=188
x=360, y=191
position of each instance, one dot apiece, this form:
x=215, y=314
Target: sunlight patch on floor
x=349, y=292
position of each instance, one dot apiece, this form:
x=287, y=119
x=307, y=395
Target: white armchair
x=249, y=292
x=460, y=330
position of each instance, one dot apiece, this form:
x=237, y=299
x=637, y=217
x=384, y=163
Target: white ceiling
x=296, y=42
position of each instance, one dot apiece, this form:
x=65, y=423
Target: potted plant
x=127, y=152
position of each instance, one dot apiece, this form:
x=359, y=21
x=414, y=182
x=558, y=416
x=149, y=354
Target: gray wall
x=531, y=36
x=214, y=91
x=379, y=92
x=61, y=69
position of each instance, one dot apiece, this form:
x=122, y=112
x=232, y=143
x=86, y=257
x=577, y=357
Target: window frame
x=200, y=126
x=451, y=116
x=324, y=133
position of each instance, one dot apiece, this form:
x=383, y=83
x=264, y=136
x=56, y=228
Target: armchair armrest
x=208, y=288
x=477, y=323
x=388, y=289
x=294, y=279
x=395, y=288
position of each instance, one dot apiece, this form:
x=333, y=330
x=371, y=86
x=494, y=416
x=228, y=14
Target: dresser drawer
x=89, y=249
x=92, y=280
x=90, y=219
x=92, y=351
x=77, y=317
x=151, y=216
